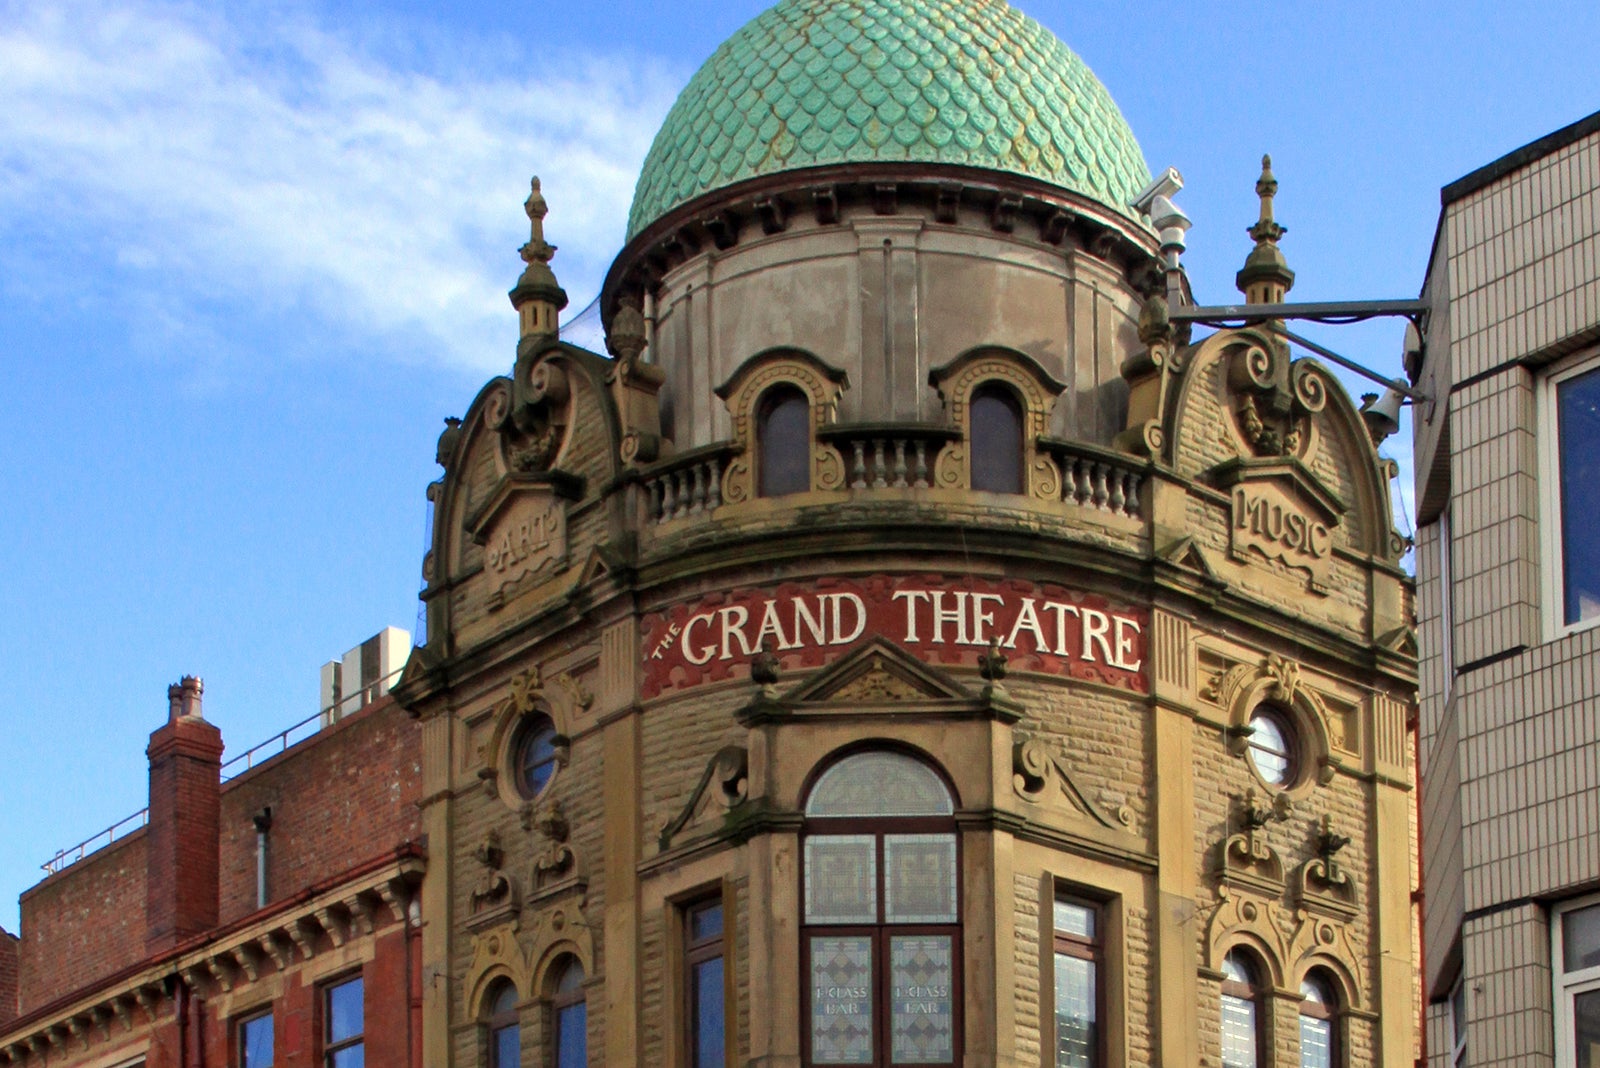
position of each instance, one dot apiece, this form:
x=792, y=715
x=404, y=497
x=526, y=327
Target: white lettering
x=982, y=619
x=1125, y=643
x=911, y=598
x=1060, y=610
x=770, y=625
x=706, y=651
x=1027, y=620
x=1095, y=626
x=731, y=629
x=839, y=636
x=956, y=615
x=814, y=623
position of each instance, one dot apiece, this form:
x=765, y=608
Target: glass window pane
x=841, y=1000
x=841, y=879
x=536, y=760
x=705, y=922
x=1586, y=1028
x=1316, y=1043
x=919, y=878
x=350, y=1057
x=921, y=1002
x=1578, y=414
x=1269, y=748
x=507, y=1043
x=255, y=1043
x=996, y=441
x=1074, y=919
x=1238, y=1032
x=571, y=977
x=505, y=999
x=879, y=784
x=572, y=1036
x=783, y=436
x=1077, y=1040
x=1580, y=939
x=709, y=1030
x=344, y=1011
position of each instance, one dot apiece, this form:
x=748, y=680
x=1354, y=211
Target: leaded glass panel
x=841, y=1000
x=1238, y=1032
x=1316, y=1042
x=1074, y=919
x=879, y=784
x=841, y=879
x=921, y=1002
x=919, y=878
x=1076, y=1040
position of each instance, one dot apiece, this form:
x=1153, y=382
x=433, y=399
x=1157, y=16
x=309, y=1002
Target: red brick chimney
x=185, y=802
x=9, y=1003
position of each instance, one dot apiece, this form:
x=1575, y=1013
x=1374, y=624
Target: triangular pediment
x=1185, y=553
x=878, y=672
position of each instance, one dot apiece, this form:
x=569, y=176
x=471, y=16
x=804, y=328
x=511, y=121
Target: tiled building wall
x=1525, y=259
x=1505, y=956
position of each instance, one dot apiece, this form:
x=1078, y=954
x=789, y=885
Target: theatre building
x=905, y=645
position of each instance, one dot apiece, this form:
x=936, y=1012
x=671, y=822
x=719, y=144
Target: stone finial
x=538, y=297
x=1266, y=277
x=765, y=668
x=626, y=338
x=183, y=699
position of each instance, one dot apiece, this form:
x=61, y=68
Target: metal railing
x=230, y=769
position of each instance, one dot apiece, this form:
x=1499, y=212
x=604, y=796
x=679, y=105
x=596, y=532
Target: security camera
x=1165, y=184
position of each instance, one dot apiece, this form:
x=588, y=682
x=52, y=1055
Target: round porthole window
x=1273, y=747
x=534, y=756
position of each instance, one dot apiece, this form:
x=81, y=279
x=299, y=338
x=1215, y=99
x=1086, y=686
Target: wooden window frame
x=330, y=1048
x=880, y=933
x=1331, y=1010
x=242, y=1021
x=1251, y=992
x=1092, y=950
x=698, y=951
x=499, y=1021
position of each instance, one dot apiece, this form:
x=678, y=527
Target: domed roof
x=967, y=82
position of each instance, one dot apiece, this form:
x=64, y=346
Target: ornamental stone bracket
x=557, y=867
x=494, y=898
x=1245, y=859
x=723, y=788
x=1040, y=777
x=1322, y=886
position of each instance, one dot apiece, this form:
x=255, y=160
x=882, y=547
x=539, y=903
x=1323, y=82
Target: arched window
x=882, y=940
x=1319, y=1011
x=783, y=442
x=1241, y=1012
x=569, y=1017
x=505, y=1029
x=534, y=755
x=996, y=438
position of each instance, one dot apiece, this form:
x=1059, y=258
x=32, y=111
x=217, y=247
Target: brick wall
x=83, y=923
x=345, y=794
x=9, y=949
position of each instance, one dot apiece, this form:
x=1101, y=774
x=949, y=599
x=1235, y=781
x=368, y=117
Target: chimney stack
x=10, y=987
x=185, y=803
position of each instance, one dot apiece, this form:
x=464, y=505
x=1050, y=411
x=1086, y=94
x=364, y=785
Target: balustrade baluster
x=714, y=490
x=1100, y=486
x=1131, y=507
x=669, y=496
x=900, y=463
x=921, y=471
x=858, y=479
x=878, y=481
x=1116, y=499
x=697, y=497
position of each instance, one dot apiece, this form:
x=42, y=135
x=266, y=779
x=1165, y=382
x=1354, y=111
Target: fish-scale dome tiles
x=816, y=82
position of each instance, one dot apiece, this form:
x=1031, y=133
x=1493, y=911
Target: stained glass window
x=879, y=784
x=841, y=1000
x=921, y=999
x=841, y=879
x=919, y=878
x=882, y=905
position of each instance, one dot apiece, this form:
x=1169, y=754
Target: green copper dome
x=815, y=82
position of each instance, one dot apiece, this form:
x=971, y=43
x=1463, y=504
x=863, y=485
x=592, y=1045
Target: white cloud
x=276, y=164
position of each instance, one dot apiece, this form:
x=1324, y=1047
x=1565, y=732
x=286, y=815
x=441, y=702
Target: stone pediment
x=879, y=672
x=523, y=526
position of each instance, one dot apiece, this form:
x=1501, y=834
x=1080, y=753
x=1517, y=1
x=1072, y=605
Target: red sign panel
x=940, y=619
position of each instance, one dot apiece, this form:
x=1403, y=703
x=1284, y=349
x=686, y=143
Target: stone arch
x=867, y=746
x=560, y=699
x=496, y=955
x=1347, y=986
x=1253, y=929
x=557, y=936
x=1277, y=681
x=820, y=382
x=1036, y=391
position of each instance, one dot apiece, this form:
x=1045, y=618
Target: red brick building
x=272, y=918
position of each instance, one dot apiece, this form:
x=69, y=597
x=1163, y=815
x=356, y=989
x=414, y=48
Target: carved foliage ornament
x=1275, y=396
x=532, y=416
x=743, y=394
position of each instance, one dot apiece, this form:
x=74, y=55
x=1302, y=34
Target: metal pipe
x=1344, y=361
x=263, y=822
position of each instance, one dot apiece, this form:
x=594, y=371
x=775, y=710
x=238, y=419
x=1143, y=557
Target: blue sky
x=252, y=254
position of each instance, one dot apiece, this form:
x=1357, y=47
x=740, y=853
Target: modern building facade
x=905, y=645
x=1508, y=576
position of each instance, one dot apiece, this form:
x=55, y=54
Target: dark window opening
x=996, y=439
x=783, y=442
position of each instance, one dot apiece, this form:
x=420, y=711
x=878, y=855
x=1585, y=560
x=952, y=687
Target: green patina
x=817, y=82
